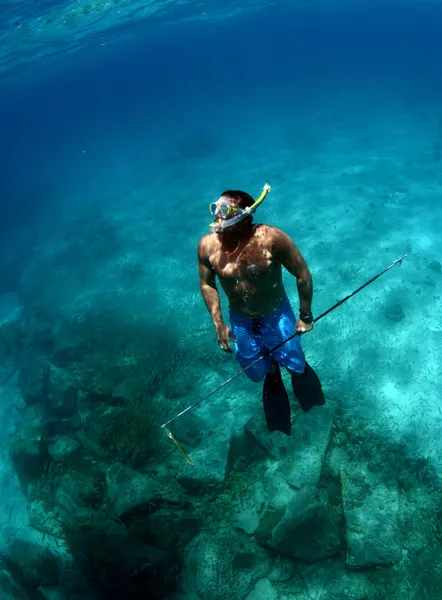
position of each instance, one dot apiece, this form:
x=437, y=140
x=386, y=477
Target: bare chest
x=251, y=263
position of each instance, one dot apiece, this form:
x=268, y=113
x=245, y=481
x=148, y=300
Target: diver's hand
x=302, y=327
x=224, y=335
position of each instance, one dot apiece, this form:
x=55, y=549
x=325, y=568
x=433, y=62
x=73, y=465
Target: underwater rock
x=128, y=489
x=283, y=570
x=36, y=563
x=9, y=588
x=225, y=566
x=190, y=596
x=273, y=444
x=311, y=436
x=269, y=519
x=129, y=434
x=72, y=585
x=344, y=584
x=59, y=593
x=49, y=593
x=337, y=457
x=102, y=379
x=191, y=430
x=311, y=535
x=61, y=395
x=168, y=528
x=89, y=445
x=211, y=465
x=40, y=382
x=291, y=485
x=179, y=383
x=371, y=512
x=29, y=453
x=62, y=448
x=263, y=589
x=248, y=518
x=55, y=427
x=329, y=581
x=44, y=521
x=120, y=563
x=82, y=484
x=31, y=381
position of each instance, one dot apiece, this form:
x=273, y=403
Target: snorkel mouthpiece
x=219, y=226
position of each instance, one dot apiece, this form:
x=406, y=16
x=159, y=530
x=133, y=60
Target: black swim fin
x=276, y=403
x=308, y=389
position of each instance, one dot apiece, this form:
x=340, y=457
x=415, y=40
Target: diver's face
x=227, y=209
x=226, y=213
x=238, y=229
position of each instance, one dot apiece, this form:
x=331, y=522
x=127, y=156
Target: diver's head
x=238, y=198
x=233, y=211
x=230, y=212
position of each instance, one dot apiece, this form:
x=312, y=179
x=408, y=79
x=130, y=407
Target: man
x=248, y=258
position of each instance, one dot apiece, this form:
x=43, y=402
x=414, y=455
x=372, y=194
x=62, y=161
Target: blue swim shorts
x=255, y=336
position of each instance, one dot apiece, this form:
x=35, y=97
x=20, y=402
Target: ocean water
x=120, y=123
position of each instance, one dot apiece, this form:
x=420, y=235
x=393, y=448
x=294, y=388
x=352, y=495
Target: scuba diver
x=247, y=259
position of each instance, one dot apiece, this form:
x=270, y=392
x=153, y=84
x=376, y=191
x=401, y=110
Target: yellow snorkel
x=265, y=190
x=241, y=213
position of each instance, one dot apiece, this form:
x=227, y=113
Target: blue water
x=117, y=134
x=103, y=120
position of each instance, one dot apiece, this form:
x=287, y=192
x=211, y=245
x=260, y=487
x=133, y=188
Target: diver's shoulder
x=207, y=242
x=209, y=238
x=272, y=235
x=269, y=230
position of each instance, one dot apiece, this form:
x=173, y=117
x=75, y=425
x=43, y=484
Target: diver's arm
x=291, y=258
x=208, y=285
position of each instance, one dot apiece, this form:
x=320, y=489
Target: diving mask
x=229, y=215
x=224, y=210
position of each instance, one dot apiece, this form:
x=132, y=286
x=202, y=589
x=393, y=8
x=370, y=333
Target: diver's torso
x=249, y=274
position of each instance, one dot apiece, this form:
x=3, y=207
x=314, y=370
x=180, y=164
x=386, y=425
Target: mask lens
x=221, y=210
x=224, y=211
x=214, y=208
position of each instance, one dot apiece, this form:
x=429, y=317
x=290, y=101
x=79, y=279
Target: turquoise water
x=120, y=122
